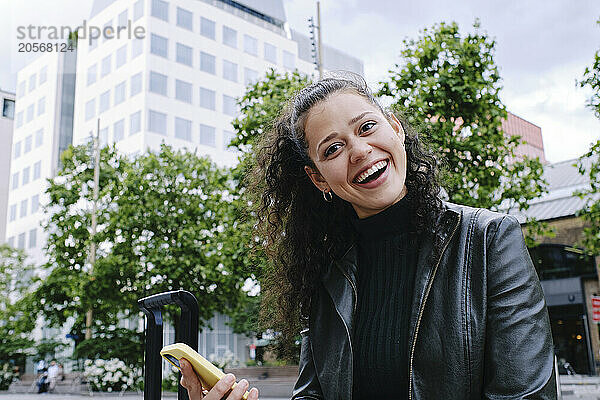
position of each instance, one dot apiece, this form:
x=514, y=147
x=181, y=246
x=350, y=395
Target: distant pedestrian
x=61, y=372
x=41, y=366
x=53, y=373
x=42, y=382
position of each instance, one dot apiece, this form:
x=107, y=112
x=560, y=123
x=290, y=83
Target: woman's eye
x=332, y=149
x=367, y=126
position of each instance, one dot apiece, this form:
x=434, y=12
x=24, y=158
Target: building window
x=21, y=88
x=43, y=75
x=184, y=19
x=35, y=203
x=159, y=45
x=19, y=120
x=15, y=180
x=11, y=241
x=37, y=170
x=160, y=10
x=183, y=129
x=90, y=109
x=17, y=150
x=207, y=135
x=26, y=171
x=91, y=74
x=93, y=44
x=207, y=98
x=123, y=18
x=30, y=112
x=108, y=27
x=207, y=28
x=32, y=238
x=207, y=63
x=32, y=82
x=28, y=144
x=230, y=70
x=104, y=102
x=136, y=84
x=119, y=130
x=250, y=45
x=270, y=53
x=228, y=136
x=39, y=137
x=250, y=76
x=8, y=109
x=120, y=93
x=158, y=83
x=103, y=137
x=183, y=91
x=229, y=36
x=121, y=56
x=138, y=10
x=289, y=60
x=157, y=122
x=106, y=65
x=136, y=47
x=184, y=54
x=23, y=212
x=21, y=241
x=12, y=215
x=41, y=106
x=229, y=106
x=135, y=122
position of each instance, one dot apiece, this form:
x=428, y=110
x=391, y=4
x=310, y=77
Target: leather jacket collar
x=430, y=252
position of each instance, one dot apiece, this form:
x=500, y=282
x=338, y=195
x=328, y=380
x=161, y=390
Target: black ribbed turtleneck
x=386, y=269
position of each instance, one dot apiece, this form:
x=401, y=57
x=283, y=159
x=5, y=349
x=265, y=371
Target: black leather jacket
x=479, y=327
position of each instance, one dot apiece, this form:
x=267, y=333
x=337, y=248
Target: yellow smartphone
x=209, y=374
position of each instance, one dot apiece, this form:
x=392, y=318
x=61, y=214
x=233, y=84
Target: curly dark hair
x=302, y=233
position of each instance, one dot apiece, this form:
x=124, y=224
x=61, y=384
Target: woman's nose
x=360, y=150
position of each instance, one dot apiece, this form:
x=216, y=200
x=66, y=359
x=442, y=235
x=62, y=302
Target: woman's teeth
x=376, y=167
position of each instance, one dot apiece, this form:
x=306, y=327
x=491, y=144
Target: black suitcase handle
x=188, y=334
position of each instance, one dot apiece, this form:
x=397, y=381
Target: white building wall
x=35, y=137
x=6, y=134
x=148, y=63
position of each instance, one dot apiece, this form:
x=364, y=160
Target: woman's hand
x=190, y=381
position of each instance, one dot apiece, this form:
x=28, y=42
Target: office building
x=568, y=274
x=7, y=100
x=175, y=82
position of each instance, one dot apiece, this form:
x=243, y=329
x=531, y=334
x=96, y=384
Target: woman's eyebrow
x=329, y=137
x=357, y=118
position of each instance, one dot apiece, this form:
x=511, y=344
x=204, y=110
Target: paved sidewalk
x=98, y=396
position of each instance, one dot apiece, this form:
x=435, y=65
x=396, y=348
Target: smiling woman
x=397, y=294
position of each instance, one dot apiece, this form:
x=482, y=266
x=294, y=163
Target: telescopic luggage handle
x=188, y=334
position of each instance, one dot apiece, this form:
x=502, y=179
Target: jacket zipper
x=344, y=322
x=353, y=288
x=422, y=309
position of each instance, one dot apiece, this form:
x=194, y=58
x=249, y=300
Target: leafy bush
x=125, y=344
x=228, y=360
x=171, y=382
x=7, y=376
x=110, y=375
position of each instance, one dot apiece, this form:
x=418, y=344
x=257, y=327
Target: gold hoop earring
x=326, y=197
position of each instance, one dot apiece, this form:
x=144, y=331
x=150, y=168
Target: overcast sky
x=543, y=47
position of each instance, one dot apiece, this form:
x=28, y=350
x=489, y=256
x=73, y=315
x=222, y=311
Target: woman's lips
x=380, y=179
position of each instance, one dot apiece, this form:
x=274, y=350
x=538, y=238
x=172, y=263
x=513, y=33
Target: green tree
x=16, y=281
x=71, y=285
x=589, y=165
x=162, y=218
x=448, y=86
x=173, y=218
